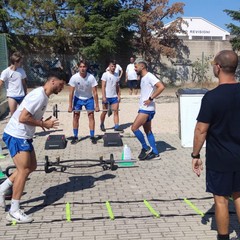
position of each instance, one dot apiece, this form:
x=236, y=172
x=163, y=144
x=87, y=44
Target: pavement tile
x=163, y=183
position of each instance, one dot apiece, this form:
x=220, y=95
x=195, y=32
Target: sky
x=211, y=10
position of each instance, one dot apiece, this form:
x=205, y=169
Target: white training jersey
x=148, y=83
x=83, y=86
x=131, y=73
x=35, y=103
x=13, y=81
x=111, y=84
x=117, y=69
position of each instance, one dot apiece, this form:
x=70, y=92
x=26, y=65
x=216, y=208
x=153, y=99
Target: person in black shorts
x=131, y=77
x=218, y=123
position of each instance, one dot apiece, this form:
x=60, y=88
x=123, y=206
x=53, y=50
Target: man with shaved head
x=218, y=123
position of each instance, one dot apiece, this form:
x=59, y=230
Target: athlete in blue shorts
x=83, y=93
x=14, y=78
x=18, y=136
x=151, y=87
x=110, y=96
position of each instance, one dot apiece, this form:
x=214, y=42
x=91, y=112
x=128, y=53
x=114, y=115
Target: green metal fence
x=3, y=62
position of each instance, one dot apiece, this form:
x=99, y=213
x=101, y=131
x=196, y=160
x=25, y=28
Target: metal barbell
x=55, y=110
x=50, y=166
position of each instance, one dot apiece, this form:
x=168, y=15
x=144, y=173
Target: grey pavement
x=163, y=183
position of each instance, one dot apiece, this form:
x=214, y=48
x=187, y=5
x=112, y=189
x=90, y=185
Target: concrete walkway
x=163, y=183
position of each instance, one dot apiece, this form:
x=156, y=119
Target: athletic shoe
x=19, y=216
x=102, y=127
x=93, y=140
x=118, y=130
x=152, y=156
x=144, y=153
x=2, y=200
x=74, y=140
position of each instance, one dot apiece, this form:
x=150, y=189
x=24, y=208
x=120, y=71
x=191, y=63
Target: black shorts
x=222, y=183
x=132, y=84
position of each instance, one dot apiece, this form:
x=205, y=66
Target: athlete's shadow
x=55, y=193
x=47, y=132
x=125, y=125
x=233, y=225
x=163, y=146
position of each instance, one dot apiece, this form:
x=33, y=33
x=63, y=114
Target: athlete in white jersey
x=118, y=69
x=151, y=87
x=110, y=96
x=18, y=137
x=131, y=77
x=14, y=78
x=83, y=92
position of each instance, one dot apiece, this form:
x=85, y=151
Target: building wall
x=182, y=70
x=208, y=47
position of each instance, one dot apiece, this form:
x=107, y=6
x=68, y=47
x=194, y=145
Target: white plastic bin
x=189, y=102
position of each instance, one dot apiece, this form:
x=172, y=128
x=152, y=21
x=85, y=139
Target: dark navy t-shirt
x=221, y=109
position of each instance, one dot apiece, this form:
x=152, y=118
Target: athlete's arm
x=200, y=134
x=159, y=88
x=24, y=83
x=95, y=96
x=27, y=118
x=1, y=83
x=103, y=91
x=71, y=93
x=121, y=73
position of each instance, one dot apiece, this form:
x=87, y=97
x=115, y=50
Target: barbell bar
x=55, y=111
x=50, y=166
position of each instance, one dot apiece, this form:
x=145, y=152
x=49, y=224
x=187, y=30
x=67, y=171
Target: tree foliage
x=87, y=26
x=93, y=28
x=234, y=29
x=152, y=39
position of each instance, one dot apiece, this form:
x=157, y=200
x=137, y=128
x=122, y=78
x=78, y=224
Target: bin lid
x=191, y=91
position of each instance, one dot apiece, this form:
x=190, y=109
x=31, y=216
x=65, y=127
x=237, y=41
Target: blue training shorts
x=111, y=101
x=222, y=183
x=18, y=99
x=149, y=113
x=79, y=103
x=16, y=145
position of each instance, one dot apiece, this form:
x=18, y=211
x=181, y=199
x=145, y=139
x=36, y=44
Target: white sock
x=15, y=205
x=5, y=185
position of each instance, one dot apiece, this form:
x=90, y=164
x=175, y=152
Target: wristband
x=195, y=156
x=150, y=98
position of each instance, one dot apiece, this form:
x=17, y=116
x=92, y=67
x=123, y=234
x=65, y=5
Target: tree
x=90, y=27
x=152, y=39
x=235, y=30
x=43, y=24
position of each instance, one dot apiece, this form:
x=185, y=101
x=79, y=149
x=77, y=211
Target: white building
x=198, y=28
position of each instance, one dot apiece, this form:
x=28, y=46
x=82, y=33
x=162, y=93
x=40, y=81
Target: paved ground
x=164, y=184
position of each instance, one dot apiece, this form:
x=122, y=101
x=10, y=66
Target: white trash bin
x=189, y=102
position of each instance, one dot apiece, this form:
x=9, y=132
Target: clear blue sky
x=211, y=10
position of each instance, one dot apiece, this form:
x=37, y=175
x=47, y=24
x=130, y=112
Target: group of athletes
x=27, y=111
x=217, y=123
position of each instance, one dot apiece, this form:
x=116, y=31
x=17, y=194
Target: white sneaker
x=2, y=200
x=19, y=216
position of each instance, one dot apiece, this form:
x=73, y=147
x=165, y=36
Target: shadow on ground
x=55, y=193
x=163, y=147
